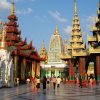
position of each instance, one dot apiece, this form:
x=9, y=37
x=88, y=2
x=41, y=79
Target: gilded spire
x=57, y=30
x=94, y=46
x=76, y=23
x=13, y=8
x=76, y=41
x=98, y=12
x=3, y=41
x=75, y=7
x=43, y=44
x=43, y=52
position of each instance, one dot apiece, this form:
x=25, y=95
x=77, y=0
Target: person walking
x=58, y=81
x=48, y=82
x=80, y=81
x=54, y=80
x=38, y=83
x=44, y=84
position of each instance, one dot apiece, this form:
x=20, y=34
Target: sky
x=37, y=19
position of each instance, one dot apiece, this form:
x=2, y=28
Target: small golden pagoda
x=43, y=53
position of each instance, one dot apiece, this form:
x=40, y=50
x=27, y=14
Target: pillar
x=15, y=68
x=71, y=71
x=38, y=69
x=33, y=69
x=23, y=67
x=98, y=67
x=82, y=67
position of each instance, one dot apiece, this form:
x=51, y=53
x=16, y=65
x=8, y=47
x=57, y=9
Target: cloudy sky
x=37, y=19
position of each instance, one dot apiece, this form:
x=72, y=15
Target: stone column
x=98, y=67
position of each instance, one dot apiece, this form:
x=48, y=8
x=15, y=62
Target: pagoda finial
x=57, y=30
x=99, y=3
x=30, y=44
x=43, y=44
x=75, y=7
x=3, y=41
x=13, y=8
x=98, y=12
x=75, y=18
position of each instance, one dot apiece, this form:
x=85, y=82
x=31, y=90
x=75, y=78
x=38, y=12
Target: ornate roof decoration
x=56, y=30
x=14, y=42
x=13, y=8
x=94, y=41
x=76, y=47
x=76, y=42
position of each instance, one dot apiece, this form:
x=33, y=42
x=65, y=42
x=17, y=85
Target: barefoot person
x=58, y=81
x=54, y=80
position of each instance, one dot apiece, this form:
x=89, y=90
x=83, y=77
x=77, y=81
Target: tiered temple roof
x=14, y=41
x=94, y=41
x=13, y=33
x=76, y=42
x=77, y=46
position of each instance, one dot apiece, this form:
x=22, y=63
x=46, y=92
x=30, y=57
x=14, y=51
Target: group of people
x=87, y=81
x=46, y=83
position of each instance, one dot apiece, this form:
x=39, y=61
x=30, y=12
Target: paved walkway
x=26, y=92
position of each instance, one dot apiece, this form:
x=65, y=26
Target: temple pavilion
x=26, y=60
x=94, y=46
x=82, y=61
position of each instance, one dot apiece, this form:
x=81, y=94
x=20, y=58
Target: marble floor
x=27, y=92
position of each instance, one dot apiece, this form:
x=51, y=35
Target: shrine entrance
x=91, y=66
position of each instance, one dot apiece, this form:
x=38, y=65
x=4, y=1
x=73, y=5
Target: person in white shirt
x=58, y=81
x=28, y=80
